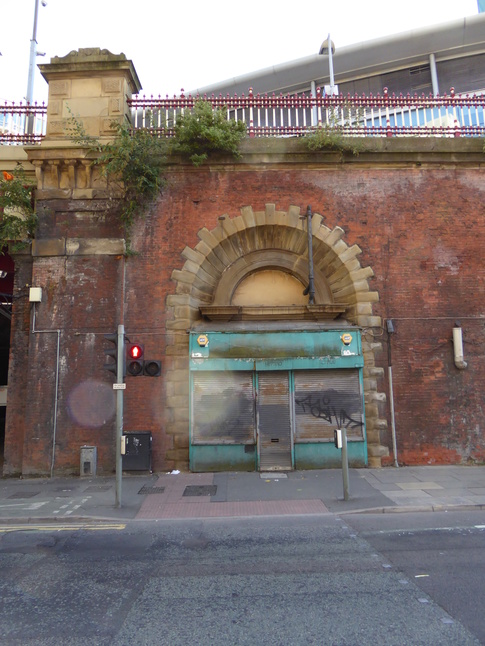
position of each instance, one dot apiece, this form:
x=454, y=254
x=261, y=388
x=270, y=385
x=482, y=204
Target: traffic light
x=112, y=366
x=134, y=359
x=137, y=365
x=152, y=368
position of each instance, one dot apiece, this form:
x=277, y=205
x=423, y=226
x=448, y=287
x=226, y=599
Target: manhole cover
x=98, y=488
x=200, y=490
x=24, y=494
x=145, y=489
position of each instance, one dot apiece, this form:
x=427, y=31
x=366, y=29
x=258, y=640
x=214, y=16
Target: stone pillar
x=77, y=258
x=92, y=86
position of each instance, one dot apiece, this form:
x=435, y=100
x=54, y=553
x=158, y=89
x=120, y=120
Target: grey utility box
x=138, y=451
x=88, y=461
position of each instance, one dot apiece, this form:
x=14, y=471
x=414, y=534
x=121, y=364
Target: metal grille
x=200, y=490
x=223, y=408
x=326, y=400
x=274, y=421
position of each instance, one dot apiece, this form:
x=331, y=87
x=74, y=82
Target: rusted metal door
x=274, y=421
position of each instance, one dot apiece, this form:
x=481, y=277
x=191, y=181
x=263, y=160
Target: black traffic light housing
x=112, y=366
x=152, y=368
x=134, y=359
x=137, y=365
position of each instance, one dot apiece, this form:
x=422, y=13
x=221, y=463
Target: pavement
x=178, y=495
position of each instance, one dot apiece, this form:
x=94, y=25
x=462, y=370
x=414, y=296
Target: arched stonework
x=223, y=258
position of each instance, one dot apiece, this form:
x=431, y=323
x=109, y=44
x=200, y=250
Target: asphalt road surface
x=442, y=553
x=270, y=582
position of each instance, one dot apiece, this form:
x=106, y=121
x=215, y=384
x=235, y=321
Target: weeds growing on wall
x=133, y=163
x=329, y=136
x=135, y=160
x=18, y=220
x=205, y=131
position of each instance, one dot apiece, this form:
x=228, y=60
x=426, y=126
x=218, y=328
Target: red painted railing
x=271, y=115
x=22, y=123
x=381, y=115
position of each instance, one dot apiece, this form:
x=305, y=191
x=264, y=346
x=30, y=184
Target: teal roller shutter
x=223, y=408
x=326, y=400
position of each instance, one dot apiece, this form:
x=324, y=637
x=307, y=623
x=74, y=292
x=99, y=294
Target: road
x=270, y=581
x=442, y=553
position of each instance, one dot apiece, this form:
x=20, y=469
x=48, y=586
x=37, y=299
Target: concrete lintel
x=95, y=246
x=78, y=247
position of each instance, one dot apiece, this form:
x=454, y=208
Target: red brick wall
x=419, y=228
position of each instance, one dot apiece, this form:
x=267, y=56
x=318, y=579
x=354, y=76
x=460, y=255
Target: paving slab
x=196, y=495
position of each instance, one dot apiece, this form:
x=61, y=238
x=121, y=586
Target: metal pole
x=119, y=412
x=434, y=74
x=29, y=122
x=345, y=464
x=390, y=332
x=393, y=420
x=330, y=65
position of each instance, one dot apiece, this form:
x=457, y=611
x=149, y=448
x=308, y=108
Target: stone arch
x=228, y=253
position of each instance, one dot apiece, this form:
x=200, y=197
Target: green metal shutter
x=223, y=408
x=326, y=400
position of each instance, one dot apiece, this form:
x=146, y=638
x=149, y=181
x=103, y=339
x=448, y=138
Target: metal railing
x=382, y=115
x=271, y=115
x=22, y=123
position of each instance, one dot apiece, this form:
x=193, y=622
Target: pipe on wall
x=460, y=362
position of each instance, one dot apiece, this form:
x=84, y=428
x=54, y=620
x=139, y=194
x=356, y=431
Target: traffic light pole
x=120, y=359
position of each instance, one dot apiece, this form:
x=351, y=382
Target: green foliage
x=135, y=160
x=204, y=131
x=18, y=220
x=330, y=137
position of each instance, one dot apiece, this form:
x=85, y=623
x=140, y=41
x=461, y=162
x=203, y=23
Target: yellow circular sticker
x=203, y=340
x=346, y=338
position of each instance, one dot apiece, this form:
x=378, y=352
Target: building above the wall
x=430, y=60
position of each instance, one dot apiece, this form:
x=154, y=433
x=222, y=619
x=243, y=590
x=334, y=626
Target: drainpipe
x=460, y=362
x=310, y=290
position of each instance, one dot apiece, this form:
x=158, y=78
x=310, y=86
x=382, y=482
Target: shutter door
x=274, y=426
x=326, y=400
x=223, y=408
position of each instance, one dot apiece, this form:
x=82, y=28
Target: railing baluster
x=271, y=115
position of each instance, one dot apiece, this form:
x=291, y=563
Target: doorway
x=274, y=422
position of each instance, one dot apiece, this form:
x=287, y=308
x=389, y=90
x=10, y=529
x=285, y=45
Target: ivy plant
x=133, y=162
x=205, y=131
x=18, y=220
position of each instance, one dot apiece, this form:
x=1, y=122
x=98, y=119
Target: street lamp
x=327, y=48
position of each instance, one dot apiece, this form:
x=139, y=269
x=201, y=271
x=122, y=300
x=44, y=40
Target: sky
x=188, y=44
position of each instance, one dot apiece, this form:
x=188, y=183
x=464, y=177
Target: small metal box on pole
x=340, y=440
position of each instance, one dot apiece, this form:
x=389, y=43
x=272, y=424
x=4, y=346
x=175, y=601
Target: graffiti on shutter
x=326, y=400
x=223, y=408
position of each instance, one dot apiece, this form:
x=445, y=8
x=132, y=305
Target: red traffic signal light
x=135, y=351
x=134, y=359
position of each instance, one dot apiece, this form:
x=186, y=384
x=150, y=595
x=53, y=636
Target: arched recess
x=230, y=252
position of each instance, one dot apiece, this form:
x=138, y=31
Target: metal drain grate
x=200, y=490
x=24, y=494
x=145, y=489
